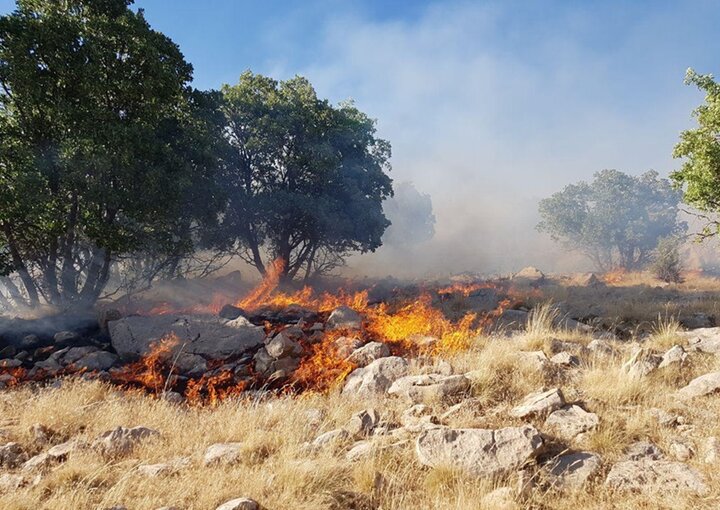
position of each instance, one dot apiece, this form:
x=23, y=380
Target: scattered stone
x=711, y=450
x=163, y=469
x=64, y=338
x=418, y=417
x=190, y=364
x=539, y=403
x=10, y=482
x=30, y=342
x=239, y=504
x=42, y=435
x=700, y=386
x=344, y=317
x=330, y=438
x=222, y=454
x=282, y=346
x=376, y=377
x=106, y=315
x=359, y=450
x=8, y=352
x=369, y=353
x=573, y=470
x=529, y=274
x=675, y=355
x=429, y=388
x=121, y=441
x=641, y=363
x=643, y=450
x=480, y=452
x=12, y=455
x=601, y=347
x=346, y=345
x=231, y=312
x=565, y=359
x=535, y=359
x=571, y=421
x=96, y=361
x=704, y=340
x=362, y=423
x=648, y=476
x=664, y=418
x=681, y=451
x=10, y=363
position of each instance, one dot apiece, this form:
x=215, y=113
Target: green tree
x=699, y=175
x=105, y=150
x=616, y=220
x=306, y=179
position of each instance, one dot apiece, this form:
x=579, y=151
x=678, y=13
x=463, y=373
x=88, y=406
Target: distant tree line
x=629, y=222
x=111, y=163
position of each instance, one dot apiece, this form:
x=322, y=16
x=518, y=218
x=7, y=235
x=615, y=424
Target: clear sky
x=489, y=106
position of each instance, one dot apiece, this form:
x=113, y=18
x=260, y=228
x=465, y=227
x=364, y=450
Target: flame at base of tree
x=410, y=326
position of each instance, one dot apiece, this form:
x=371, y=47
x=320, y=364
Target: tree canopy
x=104, y=147
x=306, y=179
x=616, y=220
x=699, y=175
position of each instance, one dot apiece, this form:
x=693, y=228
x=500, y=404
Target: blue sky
x=489, y=106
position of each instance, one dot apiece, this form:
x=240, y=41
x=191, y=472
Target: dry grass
x=278, y=471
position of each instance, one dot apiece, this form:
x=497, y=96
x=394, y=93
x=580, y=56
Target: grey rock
x=641, y=363
x=368, y=353
x=281, y=346
x=10, y=482
x=539, y=403
x=376, y=377
x=430, y=388
x=12, y=455
x=97, y=361
x=643, y=450
x=675, y=355
x=700, y=386
x=573, y=470
x=565, y=359
x=570, y=421
x=344, y=317
x=223, y=454
x=362, y=423
x=479, y=452
x=205, y=335
x=655, y=476
x=703, y=340
x=239, y=504
x=122, y=440
x=63, y=338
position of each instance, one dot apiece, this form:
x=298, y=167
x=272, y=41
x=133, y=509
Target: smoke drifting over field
x=491, y=108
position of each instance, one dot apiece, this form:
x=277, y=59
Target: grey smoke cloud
x=489, y=111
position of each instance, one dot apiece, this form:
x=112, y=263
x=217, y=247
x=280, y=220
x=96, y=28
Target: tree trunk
x=21, y=268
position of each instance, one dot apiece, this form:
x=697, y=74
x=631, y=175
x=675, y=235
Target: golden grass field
x=280, y=473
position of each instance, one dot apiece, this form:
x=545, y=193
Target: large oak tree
x=306, y=179
x=104, y=148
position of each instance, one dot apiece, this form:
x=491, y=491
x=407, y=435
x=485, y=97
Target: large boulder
x=207, y=335
x=376, y=377
x=648, y=476
x=529, y=275
x=479, y=452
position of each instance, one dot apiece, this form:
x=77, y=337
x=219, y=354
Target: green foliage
x=616, y=220
x=700, y=173
x=666, y=264
x=104, y=148
x=306, y=179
